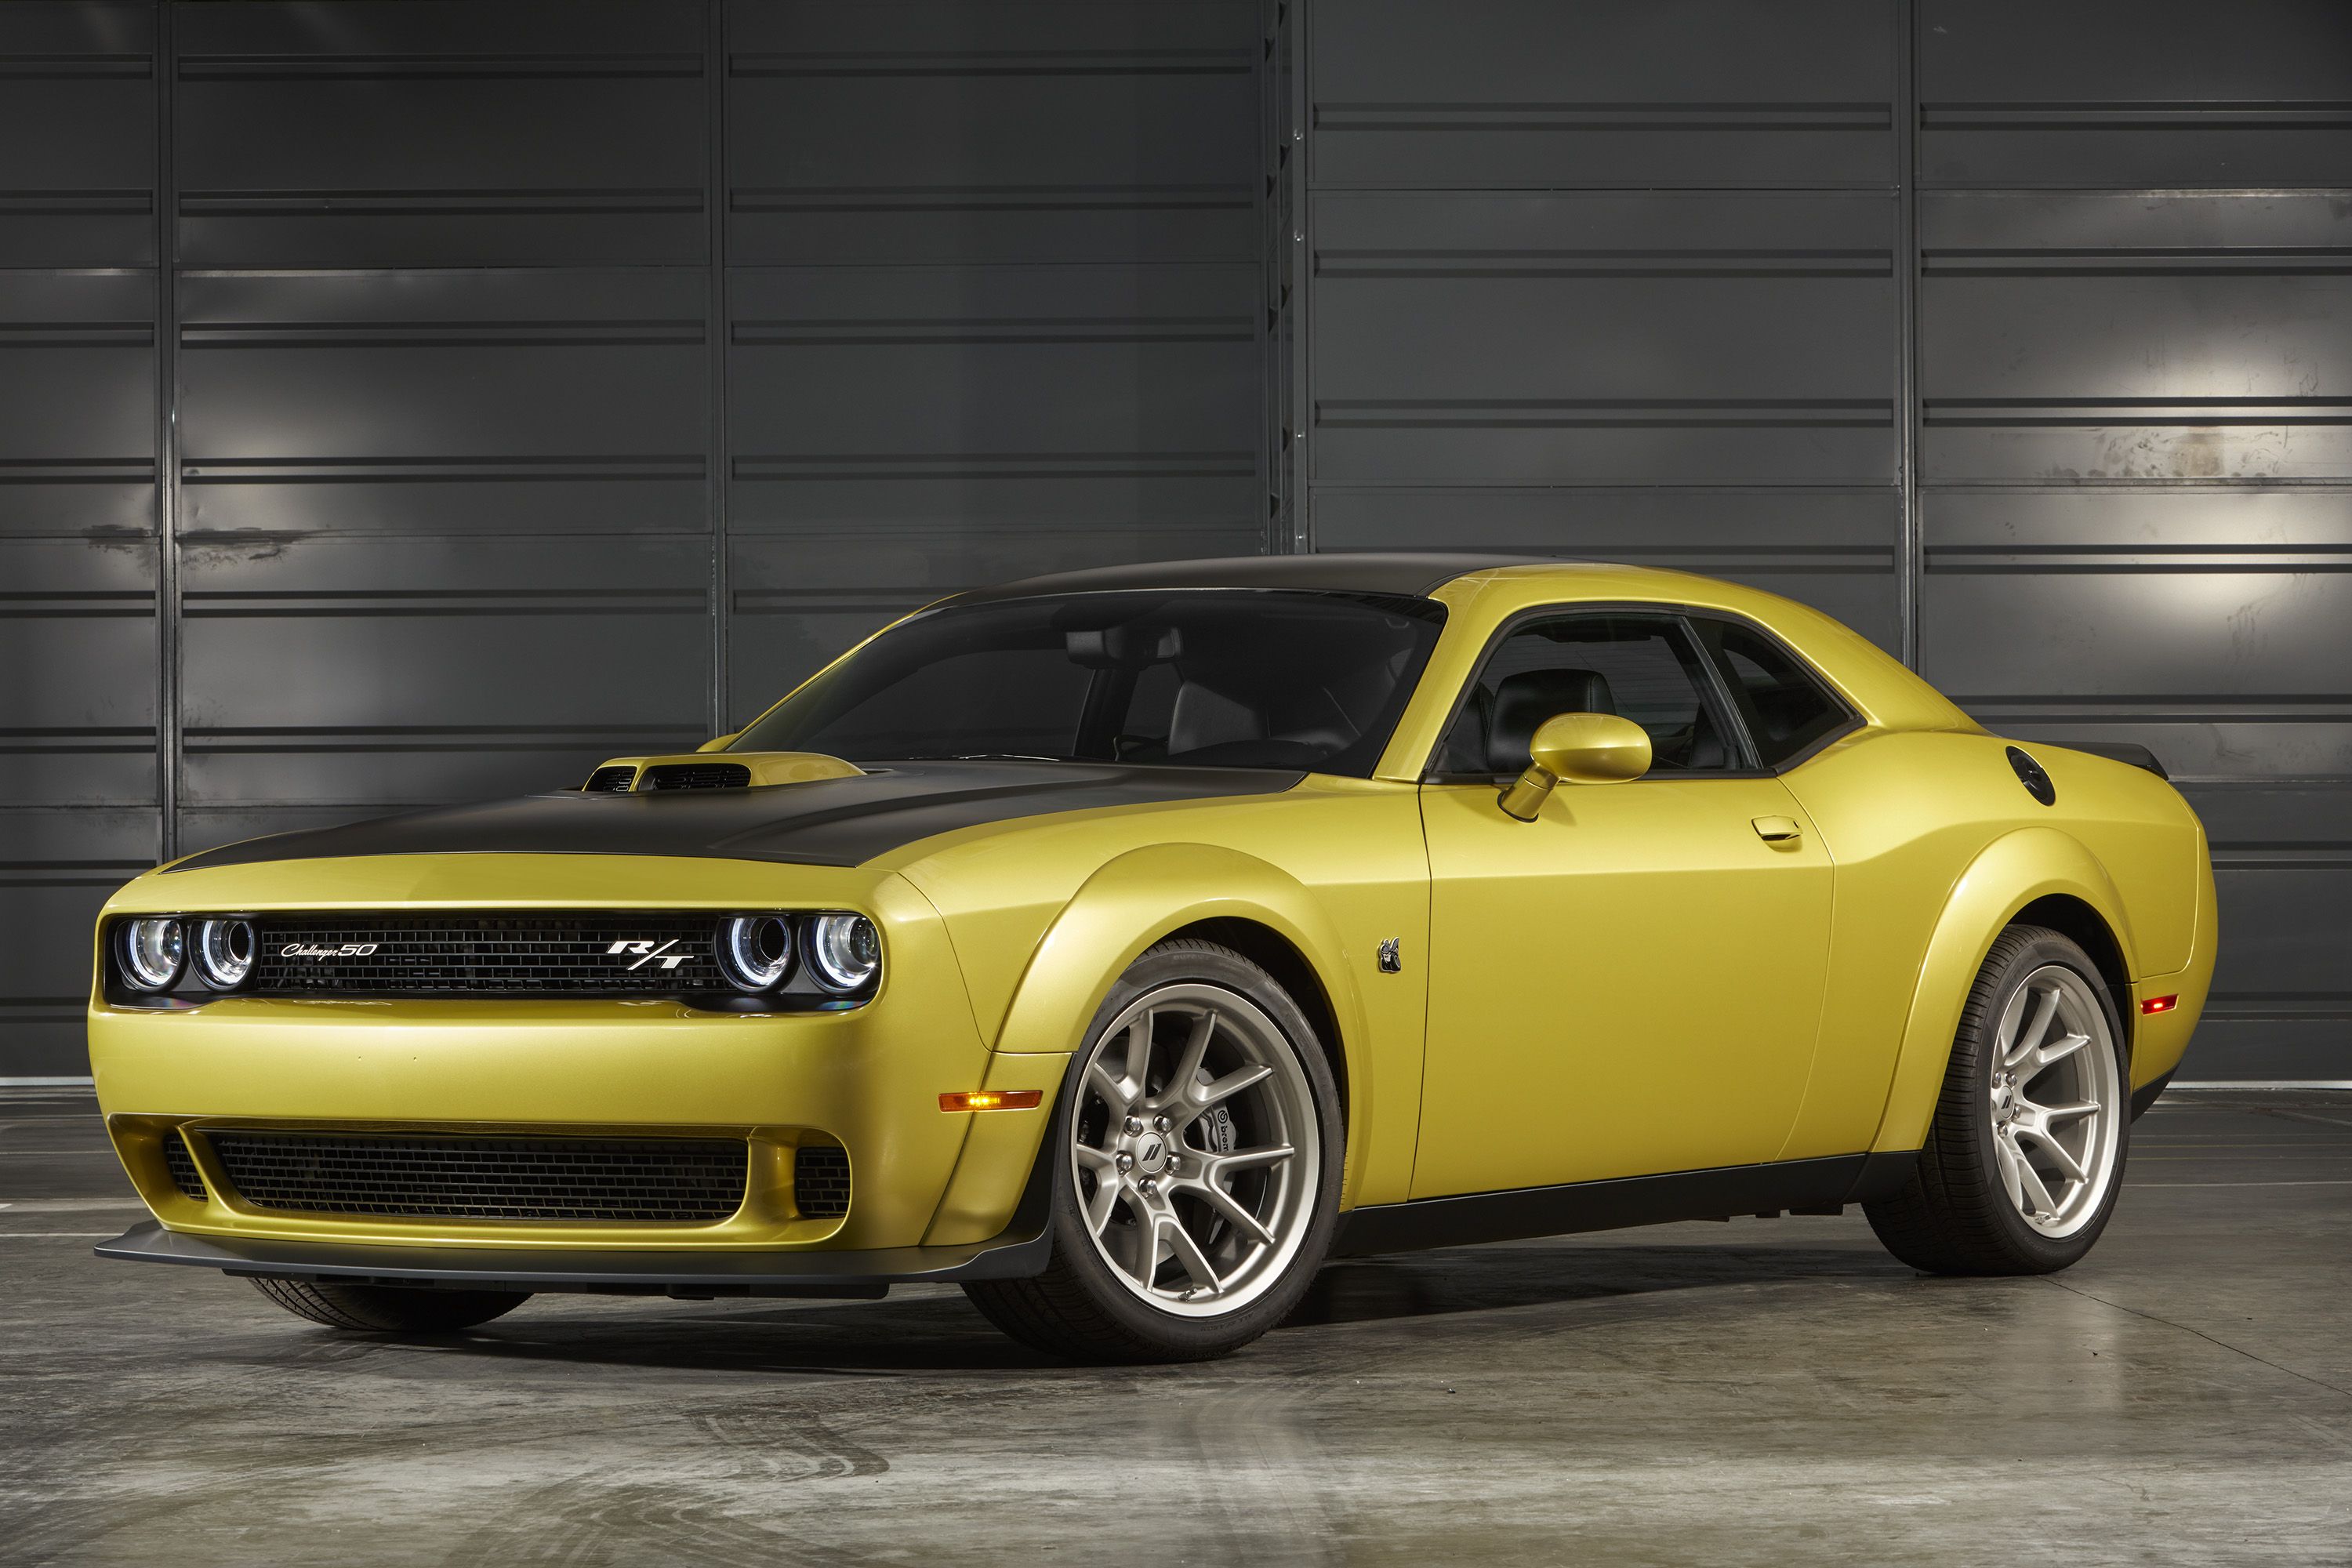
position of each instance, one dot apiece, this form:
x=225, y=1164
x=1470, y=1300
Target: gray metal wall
x=539, y=382
x=536, y=382
x=2016, y=333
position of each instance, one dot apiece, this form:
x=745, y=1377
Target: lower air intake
x=821, y=1181
x=183, y=1166
x=630, y=1180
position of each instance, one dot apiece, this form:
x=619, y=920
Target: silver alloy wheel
x=2057, y=1100
x=1195, y=1151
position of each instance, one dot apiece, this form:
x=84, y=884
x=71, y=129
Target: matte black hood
x=830, y=822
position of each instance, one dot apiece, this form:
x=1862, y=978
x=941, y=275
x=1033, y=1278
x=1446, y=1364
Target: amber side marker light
x=993, y=1100
x=2159, y=1004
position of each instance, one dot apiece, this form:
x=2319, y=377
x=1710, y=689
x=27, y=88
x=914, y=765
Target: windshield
x=1195, y=677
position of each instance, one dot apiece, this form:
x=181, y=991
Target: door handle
x=1776, y=829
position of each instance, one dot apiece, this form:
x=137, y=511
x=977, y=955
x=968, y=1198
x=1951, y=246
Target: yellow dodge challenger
x=1121, y=945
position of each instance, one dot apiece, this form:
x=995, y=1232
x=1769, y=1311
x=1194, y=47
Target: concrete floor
x=1759, y=1391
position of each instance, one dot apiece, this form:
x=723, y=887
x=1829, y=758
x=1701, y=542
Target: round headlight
x=755, y=952
x=152, y=949
x=845, y=950
x=224, y=951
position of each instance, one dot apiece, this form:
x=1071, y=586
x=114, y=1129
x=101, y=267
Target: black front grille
x=183, y=1166
x=640, y=1181
x=821, y=1181
x=524, y=954
x=613, y=780
x=696, y=775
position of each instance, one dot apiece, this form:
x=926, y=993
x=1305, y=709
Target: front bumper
x=867, y=1080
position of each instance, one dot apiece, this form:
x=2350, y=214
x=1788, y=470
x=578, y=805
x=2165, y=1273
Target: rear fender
x=2009, y=874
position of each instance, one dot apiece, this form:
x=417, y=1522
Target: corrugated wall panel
x=80, y=674
x=992, y=303
x=2137, y=502
x=526, y=363
x=1508, y=348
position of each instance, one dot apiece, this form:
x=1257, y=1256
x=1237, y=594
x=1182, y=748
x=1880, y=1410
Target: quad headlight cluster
x=759, y=953
x=775, y=959
x=154, y=950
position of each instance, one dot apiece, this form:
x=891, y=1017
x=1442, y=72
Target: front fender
x=2006, y=875
x=1139, y=897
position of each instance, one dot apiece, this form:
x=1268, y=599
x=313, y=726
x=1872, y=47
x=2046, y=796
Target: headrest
x=1523, y=701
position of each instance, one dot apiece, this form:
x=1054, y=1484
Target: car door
x=1631, y=983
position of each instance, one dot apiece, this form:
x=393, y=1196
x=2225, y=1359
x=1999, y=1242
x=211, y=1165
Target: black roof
x=1415, y=573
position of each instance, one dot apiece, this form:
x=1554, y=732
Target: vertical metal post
x=1302, y=275
x=167, y=448
x=1909, y=550
x=715, y=334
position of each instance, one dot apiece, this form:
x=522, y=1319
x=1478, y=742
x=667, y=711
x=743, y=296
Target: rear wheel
x=1197, y=1179
x=388, y=1309
x=2023, y=1159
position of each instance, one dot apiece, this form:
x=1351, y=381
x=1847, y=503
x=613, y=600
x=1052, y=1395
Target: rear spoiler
x=2121, y=751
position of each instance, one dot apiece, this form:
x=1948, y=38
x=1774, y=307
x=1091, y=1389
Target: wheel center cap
x=1152, y=1153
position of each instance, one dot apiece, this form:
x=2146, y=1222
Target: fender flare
x=2007, y=874
x=1135, y=900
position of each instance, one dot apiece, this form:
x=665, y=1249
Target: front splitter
x=1018, y=1253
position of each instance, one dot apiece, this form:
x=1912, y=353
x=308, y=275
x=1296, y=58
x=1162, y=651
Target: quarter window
x=1785, y=705
x=1642, y=667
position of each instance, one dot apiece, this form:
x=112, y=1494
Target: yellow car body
x=1636, y=984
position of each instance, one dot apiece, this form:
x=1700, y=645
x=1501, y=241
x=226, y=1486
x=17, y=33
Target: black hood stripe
x=829, y=822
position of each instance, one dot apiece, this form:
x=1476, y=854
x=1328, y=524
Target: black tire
x=1953, y=1216
x=388, y=1309
x=1077, y=1310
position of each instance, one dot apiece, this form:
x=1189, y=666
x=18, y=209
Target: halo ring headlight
x=844, y=951
x=151, y=948
x=755, y=952
x=224, y=952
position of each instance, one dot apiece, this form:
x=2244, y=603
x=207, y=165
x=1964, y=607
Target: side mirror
x=1582, y=748
x=719, y=744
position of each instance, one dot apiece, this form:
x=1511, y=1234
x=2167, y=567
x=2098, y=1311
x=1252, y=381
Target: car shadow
x=938, y=1333
x=1492, y=1279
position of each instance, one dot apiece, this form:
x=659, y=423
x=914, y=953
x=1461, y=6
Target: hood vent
x=696, y=775
x=611, y=779
x=691, y=770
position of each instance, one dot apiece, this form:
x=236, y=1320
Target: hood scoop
x=697, y=771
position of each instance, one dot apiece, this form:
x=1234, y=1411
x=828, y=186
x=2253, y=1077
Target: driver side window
x=1641, y=667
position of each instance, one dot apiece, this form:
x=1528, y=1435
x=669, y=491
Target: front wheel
x=1198, y=1155
x=2023, y=1159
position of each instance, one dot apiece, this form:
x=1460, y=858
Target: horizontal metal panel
x=446, y=402
x=2160, y=94
x=77, y=134
x=1065, y=131
x=2283, y=866
x=1497, y=94
x=440, y=132
x=56, y=869
x=77, y=649
x=1834, y=549
x=391, y=670
x=76, y=403
x=797, y=601
x=2159, y=605
x=2143, y=337
x=1666, y=338
x=981, y=396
